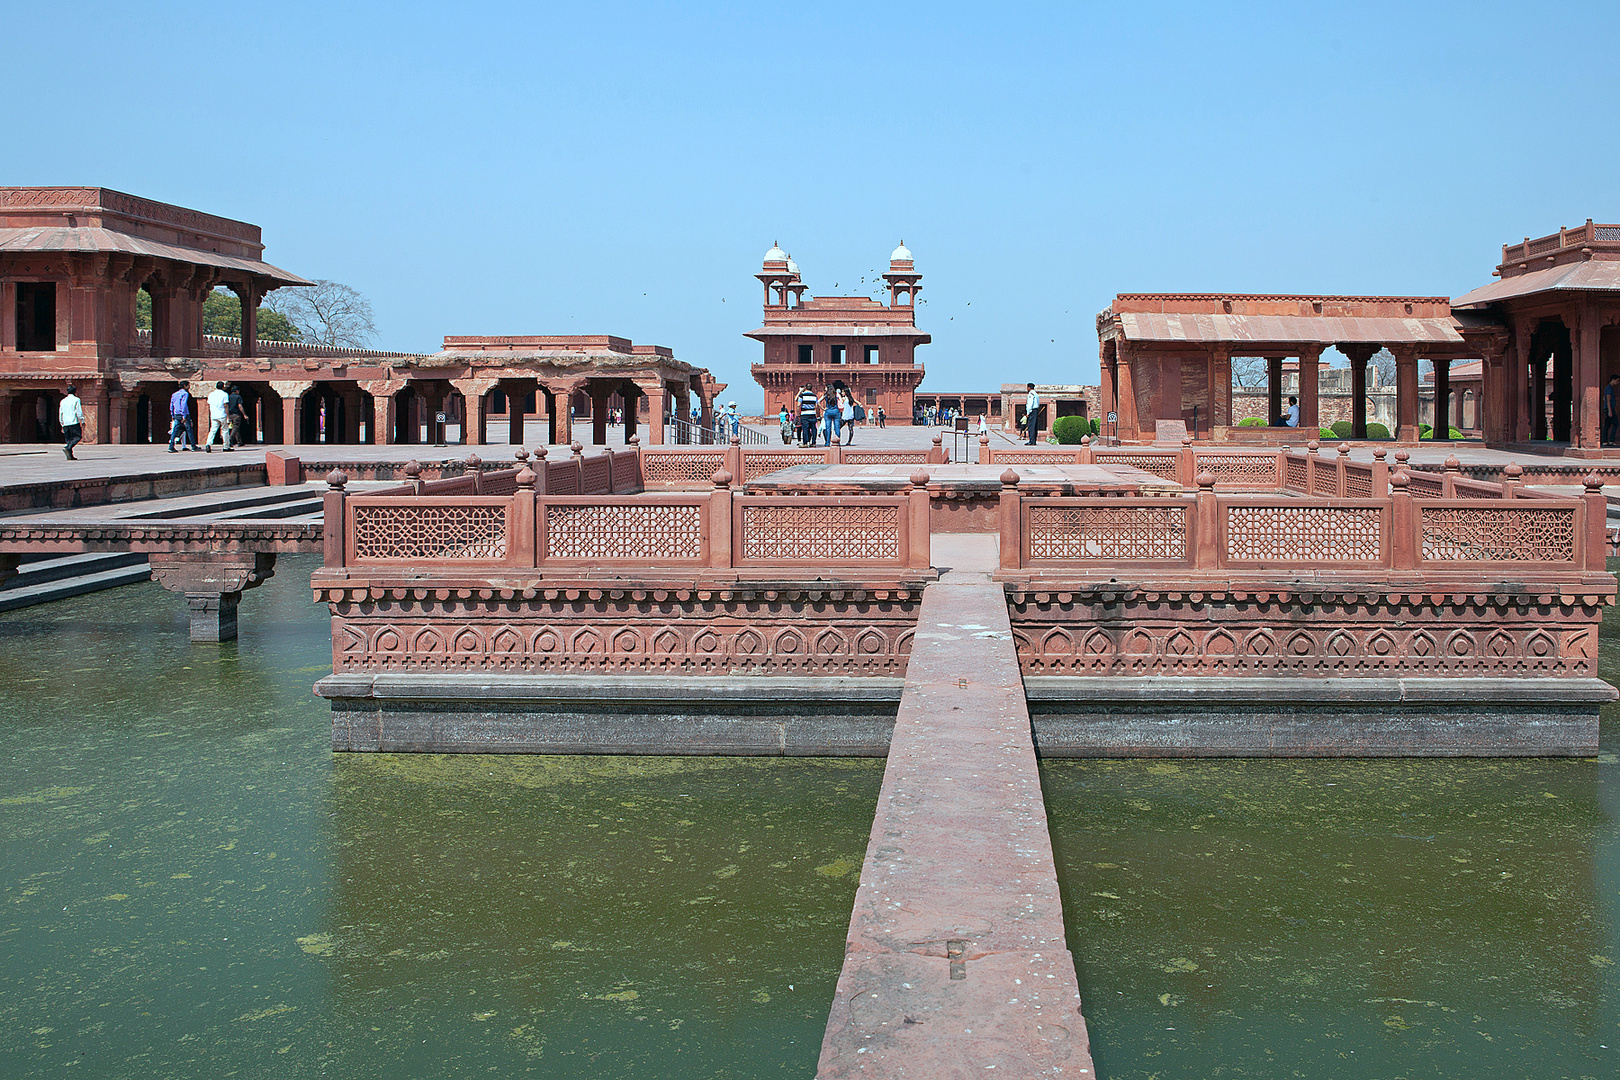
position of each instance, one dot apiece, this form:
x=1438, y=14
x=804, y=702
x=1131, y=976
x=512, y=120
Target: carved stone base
x=213, y=583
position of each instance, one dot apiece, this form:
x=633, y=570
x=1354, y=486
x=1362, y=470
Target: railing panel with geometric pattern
x=1304, y=534
x=1094, y=530
x=1509, y=533
x=406, y=529
x=1296, y=478
x=1324, y=477
x=885, y=457
x=1425, y=486
x=690, y=468
x=1164, y=466
x=562, y=478
x=777, y=529
x=758, y=463
x=598, y=475
x=1358, y=481
x=1033, y=457
x=1254, y=472
x=646, y=532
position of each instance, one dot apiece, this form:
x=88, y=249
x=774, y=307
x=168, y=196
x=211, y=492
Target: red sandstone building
x=869, y=346
x=72, y=261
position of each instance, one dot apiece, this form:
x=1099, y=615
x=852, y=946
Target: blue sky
x=622, y=168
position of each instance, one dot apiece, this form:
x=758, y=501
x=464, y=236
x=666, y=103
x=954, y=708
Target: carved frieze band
x=825, y=637
x=1136, y=637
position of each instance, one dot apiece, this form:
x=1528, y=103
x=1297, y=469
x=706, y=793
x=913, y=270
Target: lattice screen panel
x=628, y=531
x=1309, y=534
x=404, y=533
x=1488, y=534
x=825, y=533
x=1107, y=532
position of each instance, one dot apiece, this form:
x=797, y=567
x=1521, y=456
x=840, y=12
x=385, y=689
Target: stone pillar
x=1309, y=416
x=1442, y=399
x=1406, y=393
x=248, y=294
x=562, y=400
x=657, y=404
x=1170, y=400
x=599, y=413
x=119, y=428
x=473, y=392
x=383, y=405
x=1129, y=430
x=1274, y=388
x=8, y=416
x=213, y=583
x=1585, y=337
x=1220, y=387
x=292, y=409
x=1358, y=355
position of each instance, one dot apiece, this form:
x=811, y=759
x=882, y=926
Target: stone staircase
x=44, y=578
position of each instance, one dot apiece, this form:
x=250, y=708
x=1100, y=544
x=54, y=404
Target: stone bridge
x=210, y=563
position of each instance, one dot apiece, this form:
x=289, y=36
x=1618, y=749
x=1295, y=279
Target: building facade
x=868, y=346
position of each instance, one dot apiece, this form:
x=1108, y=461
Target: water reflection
x=195, y=886
x=1425, y=918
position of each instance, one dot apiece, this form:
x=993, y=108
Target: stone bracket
x=213, y=583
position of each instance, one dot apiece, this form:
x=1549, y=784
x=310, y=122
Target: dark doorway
x=36, y=316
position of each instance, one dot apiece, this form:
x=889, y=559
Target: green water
x=1379, y=919
x=195, y=886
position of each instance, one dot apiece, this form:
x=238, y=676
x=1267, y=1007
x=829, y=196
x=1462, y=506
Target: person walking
x=218, y=418
x=807, y=416
x=180, y=429
x=1032, y=413
x=1611, y=411
x=846, y=413
x=71, y=414
x=733, y=419
x=236, y=414
x=881, y=417
x=832, y=421
x=786, y=425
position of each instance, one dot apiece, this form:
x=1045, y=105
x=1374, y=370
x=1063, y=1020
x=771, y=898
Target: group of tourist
x=227, y=418
x=834, y=413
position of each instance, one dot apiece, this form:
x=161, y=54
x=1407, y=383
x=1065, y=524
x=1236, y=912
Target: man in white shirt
x=71, y=414
x=218, y=404
x=1032, y=413
x=1292, y=420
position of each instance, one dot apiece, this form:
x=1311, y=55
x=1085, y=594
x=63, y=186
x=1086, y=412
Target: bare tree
x=329, y=313
x=1249, y=372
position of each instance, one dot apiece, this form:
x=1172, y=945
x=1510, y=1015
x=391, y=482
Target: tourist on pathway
x=832, y=421
x=786, y=425
x=880, y=416
x=846, y=413
x=807, y=416
x=733, y=419
x=180, y=429
x=1292, y=419
x=1032, y=410
x=236, y=413
x=218, y=420
x=72, y=416
x=1611, y=411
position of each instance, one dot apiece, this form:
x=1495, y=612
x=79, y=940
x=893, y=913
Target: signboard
x=1113, y=417
x=439, y=417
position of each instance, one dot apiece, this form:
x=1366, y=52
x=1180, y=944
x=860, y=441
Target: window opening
x=36, y=316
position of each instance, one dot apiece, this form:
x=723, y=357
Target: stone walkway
x=956, y=963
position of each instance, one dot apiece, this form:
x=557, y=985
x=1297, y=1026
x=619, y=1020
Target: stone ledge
x=1044, y=690
x=684, y=690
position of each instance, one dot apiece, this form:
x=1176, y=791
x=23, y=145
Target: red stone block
x=282, y=470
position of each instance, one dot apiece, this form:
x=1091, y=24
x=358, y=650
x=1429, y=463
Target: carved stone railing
x=433, y=531
x=678, y=468
x=1463, y=528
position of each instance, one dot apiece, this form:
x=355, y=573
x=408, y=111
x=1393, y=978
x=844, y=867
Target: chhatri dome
x=793, y=267
x=901, y=253
x=776, y=254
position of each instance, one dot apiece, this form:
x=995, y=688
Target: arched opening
x=1552, y=381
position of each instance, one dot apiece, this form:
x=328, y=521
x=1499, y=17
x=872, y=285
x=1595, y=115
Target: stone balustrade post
x=936, y=452
x=1012, y=522
x=334, y=528
x=835, y=450
x=1186, y=464
x=1380, y=473
x=1087, y=454
x=475, y=469
x=1205, y=542
x=1281, y=467
x=542, y=471
x=1343, y=476
x=1510, y=480
x=984, y=449
x=1596, y=507
x=1405, y=543
x=734, y=458
x=578, y=462
x=720, y=500
x=522, y=547
x=1448, y=479
x=920, y=555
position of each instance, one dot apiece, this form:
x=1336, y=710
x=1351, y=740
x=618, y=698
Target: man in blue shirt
x=180, y=420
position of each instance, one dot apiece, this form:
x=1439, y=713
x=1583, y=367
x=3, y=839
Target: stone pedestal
x=213, y=583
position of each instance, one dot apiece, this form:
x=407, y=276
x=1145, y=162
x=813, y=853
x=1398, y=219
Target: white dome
x=901, y=253
x=776, y=254
x=793, y=267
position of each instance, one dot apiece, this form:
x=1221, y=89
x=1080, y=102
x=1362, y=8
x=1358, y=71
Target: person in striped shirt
x=807, y=416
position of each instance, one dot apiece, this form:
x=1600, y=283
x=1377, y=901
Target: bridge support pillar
x=213, y=583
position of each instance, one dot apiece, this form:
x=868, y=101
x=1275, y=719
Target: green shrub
x=1326, y=433
x=1425, y=431
x=1071, y=429
x=1375, y=430
x=1096, y=427
x=1456, y=434
x=1343, y=429
x=1251, y=421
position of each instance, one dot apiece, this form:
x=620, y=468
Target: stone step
x=60, y=589
x=235, y=504
x=37, y=570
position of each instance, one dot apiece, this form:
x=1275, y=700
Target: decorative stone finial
x=1206, y=480
x=635, y=440
x=736, y=440
x=1592, y=482
x=1009, y=479
x=1379, y=453
x=336, y=479
x=1399, y=479
x=1085, y=440
x=525, y=479
x=576, y=448
x=721, y=478
x=919, y=479
x=1452, y=464
x=1402, y=457
x=1186, y=440
x=1513, y=472
x=1313, y=446
x=938, y=437
x=474, y=463
x=539, y=454
x=522, y=455
x=413, y=469
x=1344, y=449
